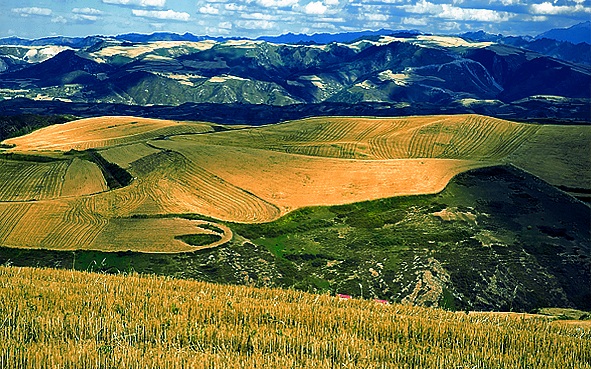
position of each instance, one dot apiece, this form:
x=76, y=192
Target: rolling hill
x=129, y=186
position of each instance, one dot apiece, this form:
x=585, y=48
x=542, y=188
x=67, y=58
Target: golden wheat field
x=248, y=174
x=67, y=319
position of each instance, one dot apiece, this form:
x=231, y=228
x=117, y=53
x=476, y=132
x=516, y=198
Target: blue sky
x=251, y=18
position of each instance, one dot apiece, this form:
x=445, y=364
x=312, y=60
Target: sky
x=252, y=18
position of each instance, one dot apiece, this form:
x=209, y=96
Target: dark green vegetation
x=28, y=157
x=21, y=124
x=200, y=239
x=495, y=238
x=115, y=176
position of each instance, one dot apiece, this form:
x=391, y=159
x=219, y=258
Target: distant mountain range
x=406, y=68
x=576, y=34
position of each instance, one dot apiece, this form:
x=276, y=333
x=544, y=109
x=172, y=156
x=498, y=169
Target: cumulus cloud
x=225, y=25
x=315, y=7
x=331, y=2
x=257, y=16
x=448, y=11
x=83, y=18
x=87, y=11
x=59, y=19
x=144, y=3
x=209, y=9
x=535, y=18
x=375, y=17
x=549, y=8
x=507, y=2
x=277, y=3
x=234, y=7
x=162, y=14
x=25, y=12
x=331, y=20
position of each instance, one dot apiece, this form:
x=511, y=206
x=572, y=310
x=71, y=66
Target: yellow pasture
x=83, y=178
x=252, y=174
x=101, y=132
x=293, y=181
x=470, y=137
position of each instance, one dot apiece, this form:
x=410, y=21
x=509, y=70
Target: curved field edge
x=459, y=249
x=89, y=320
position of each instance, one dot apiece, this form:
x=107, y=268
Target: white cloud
x=277, y=3
x=144, y=3
x=84, y=18
x=87, y=11
x=32, y=11
x=162, y=14
x=535, y=18
x=257, y=16
x=414, y=21
x=208, y=9
x=375, y=17
x=225, y=25
x=255, y=24
x=447, y=11
x=331, y=2
x=59, y=19
x=507, y=2
x=549, y=8
x=234, y=7
x=315, y=7
x=331, y=20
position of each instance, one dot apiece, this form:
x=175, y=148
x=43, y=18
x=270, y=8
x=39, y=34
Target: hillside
x=316, y=204
x=85, y=320
x=396, y=68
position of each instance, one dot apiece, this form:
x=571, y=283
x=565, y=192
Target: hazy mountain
x=327, y=38
x=576, y=34
x=564, y=50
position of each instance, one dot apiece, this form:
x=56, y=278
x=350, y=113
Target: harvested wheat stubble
x=83, y=178
x=294, y=181
x=85, y=320
x=249, y=175
x=445, y=137
x=23, y=181
x=101, y=132
x=154, y=235
x=126, y=154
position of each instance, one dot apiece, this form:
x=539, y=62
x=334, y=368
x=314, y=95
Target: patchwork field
x=244, y=174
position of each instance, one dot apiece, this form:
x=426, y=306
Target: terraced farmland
x=250, y=174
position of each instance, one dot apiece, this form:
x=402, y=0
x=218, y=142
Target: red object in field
x=343, y=296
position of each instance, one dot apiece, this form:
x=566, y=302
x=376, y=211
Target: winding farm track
x=251, y=174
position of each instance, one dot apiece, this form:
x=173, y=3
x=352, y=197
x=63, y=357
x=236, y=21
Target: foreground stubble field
x=59, y=318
